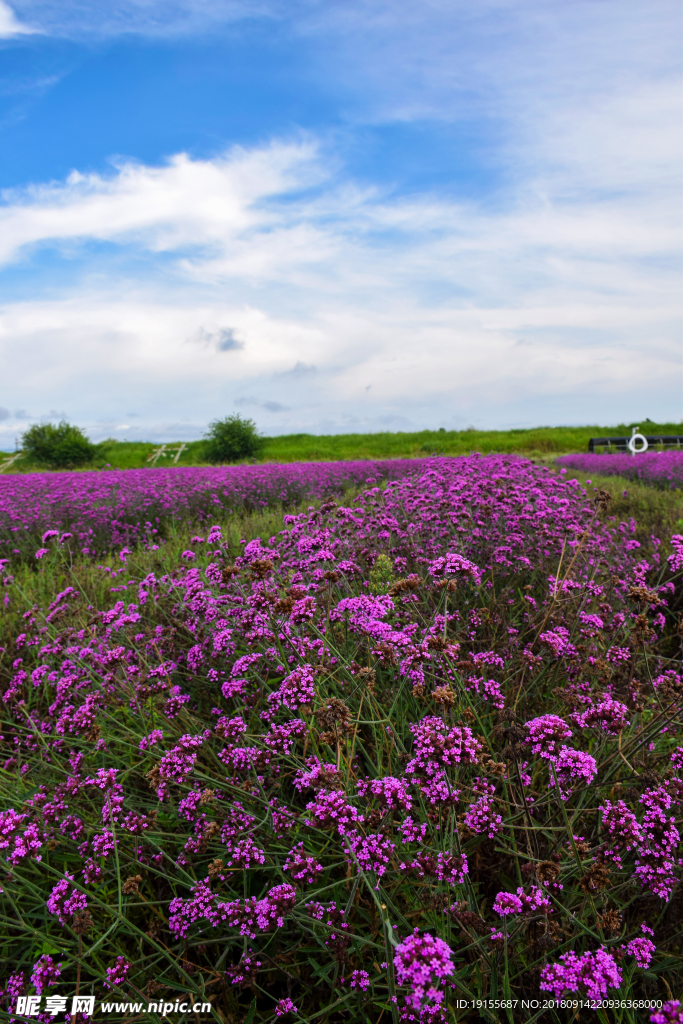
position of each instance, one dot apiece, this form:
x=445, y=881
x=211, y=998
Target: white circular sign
x=637, y=444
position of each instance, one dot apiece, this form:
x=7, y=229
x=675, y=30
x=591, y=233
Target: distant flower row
x=106, y=510
x=656, y=469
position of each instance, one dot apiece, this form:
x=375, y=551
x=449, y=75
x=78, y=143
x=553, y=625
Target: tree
x=57, y=447
x=231, y=439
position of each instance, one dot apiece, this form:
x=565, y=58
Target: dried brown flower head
x=434, y=901
x=83, y=923
x=444, y=695
x=374, y=818
x=215, y=867
x=131, y=884
x=547, y=871
x=642, y=631
x=595, y=879
x=644, y=594
x=546, y=941
x=602, y=500
x=610, y=922
x=335, y=716
x=211, y=830
x=228, y=572
x=411, y=582
x=368, y=678
x=469, y=920
x=260, y=568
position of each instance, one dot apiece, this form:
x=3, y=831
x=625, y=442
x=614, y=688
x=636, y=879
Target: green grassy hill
x=333, y=447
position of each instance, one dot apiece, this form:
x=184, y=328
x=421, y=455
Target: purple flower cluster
x=658, y=469
x=19, y=837
x=655, y=839
x=371, y=853
x=670, y=1013
x=456, y=565
x=246, y=915
x=481, y=816
x=590, y=974
x=507, y=903
x=389, y=792
x=438, y=748
x=301, y=867
x=546, y=733
x=45, y=973
x=422, y=962
x=118, y=972
x=284, y=1007
x=66, y=901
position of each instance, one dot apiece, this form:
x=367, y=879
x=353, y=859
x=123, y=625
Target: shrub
x=232, y=439
x=57, y=446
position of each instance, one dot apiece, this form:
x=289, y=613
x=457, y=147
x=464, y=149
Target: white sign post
x=638, y=443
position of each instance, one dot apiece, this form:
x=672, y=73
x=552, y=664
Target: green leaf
x=251, y=1013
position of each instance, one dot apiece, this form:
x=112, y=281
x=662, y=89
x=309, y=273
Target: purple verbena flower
x=285, y=1006
x=591, y=974
x=422, y=962
x=671, y=1011
x=302, y=867
x=66, y=901
x=45, y=972
x=117, y=973
x=545, y=733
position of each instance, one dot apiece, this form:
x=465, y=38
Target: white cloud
x=10, y=25
x=266, y=264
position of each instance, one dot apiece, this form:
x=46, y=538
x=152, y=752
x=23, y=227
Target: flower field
x=105, y=510
x=656, y=469
x=415, y=758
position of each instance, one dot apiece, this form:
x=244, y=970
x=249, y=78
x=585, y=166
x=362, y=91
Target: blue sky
x=334, y=216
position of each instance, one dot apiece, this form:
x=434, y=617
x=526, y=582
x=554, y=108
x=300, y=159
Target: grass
x=386, y=445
